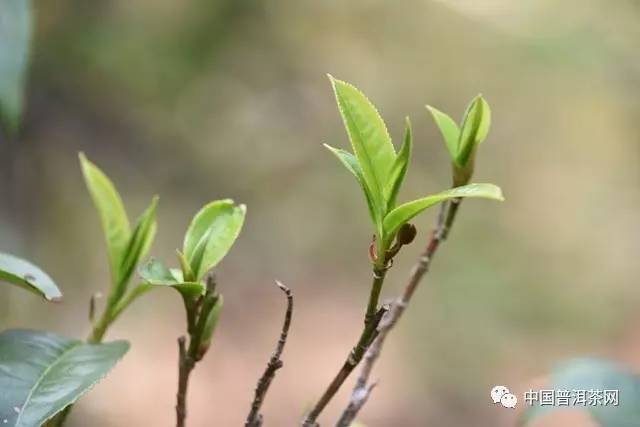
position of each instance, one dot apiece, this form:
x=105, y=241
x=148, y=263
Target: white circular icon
x=509, y=400
x=497, y=392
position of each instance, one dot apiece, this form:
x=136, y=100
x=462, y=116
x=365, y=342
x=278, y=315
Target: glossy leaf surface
x=42, y=373
x=19, y=272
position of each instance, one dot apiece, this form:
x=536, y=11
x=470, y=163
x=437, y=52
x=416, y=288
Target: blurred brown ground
x=209, y=99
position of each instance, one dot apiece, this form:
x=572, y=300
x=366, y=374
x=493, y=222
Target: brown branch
x=185, y=366
x=254, y=419
x=363, y=389
x=372, y=318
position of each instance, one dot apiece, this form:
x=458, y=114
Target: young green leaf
x=108, y=203
x=139, y=243
x=449, y=130
x=398, y=169
x=185, y=269
x=369, y=138
x=210, y=326
x=43, y=373
x=351, y=163
x=15, y=38
x=21, y=273
x=404, y=213
x=475, y=128
x=155, y=273
x=211, y=234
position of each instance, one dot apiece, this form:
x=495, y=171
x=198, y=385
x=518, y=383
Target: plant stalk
x=363, y=388
x=368, y=334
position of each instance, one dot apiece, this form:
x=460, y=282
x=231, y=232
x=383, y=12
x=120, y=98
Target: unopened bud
x=406, y=234
x=209, y=327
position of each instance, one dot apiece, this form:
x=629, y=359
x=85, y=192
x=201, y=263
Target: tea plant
x=50, y=372
x=380, y=172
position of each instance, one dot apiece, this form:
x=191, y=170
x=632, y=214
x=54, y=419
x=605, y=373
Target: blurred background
x=199, y=100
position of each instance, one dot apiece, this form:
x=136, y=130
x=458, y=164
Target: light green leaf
x=211, y=234
x=449, y=130
x=210, y=326
x=108, y=203
x=15, y=38
x=595, y=374
x=42, y=373
x=369, y=138
x=404, y=213
x=186, y=273
x=155, y=273
x=351, y=163
x=139, y=243
x=22, y=273
x=398, y=169
x=475, y=128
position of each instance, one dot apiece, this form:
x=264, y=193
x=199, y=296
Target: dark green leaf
x=448, y=129
x=351, y=163
x=115, y=224
x=403, y=213
x=42, y=373
x=15, y=38
x=21, y=273
x=211, y=234
x=398, y=169
x=596, y=374
x=369, y=138
x=156, y=273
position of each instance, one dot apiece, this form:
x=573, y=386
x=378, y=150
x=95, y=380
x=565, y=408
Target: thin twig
x=363, y=389
x=372, y=317
x=185, y=366
x=254, y=419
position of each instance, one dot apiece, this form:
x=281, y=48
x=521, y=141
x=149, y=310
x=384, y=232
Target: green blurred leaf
x=108, y=203
x=369, y=138
x=211, y=234
x=22, y=273
x=475, y=128
x=155, y=273
x=15, y=38
x=398, y=169
x=595, y=374
x=210, y=326
x=448, y=129
x=42, y=373
x=351, y=163
x=403, y=213
x=139, y=243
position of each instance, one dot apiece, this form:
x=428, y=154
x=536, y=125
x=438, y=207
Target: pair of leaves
x=42, y=373
x=596, y=374
x=462, y=141
x=208, y=239
x=124, y=247
x=381, y=172
x=22, y=273
x=15, y=38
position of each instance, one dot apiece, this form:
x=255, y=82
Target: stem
x=369, y=332
x=197, y=315
x=254, y=419
x=363, y=389
x=185, y=365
